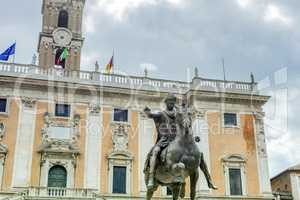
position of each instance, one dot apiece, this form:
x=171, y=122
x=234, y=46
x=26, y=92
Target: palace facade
x=71, y=134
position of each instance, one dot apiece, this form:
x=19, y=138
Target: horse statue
x=178, y=161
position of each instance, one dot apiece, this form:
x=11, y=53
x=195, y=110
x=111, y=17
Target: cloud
x=274, y=14
x=244, y=3
x=119, y=8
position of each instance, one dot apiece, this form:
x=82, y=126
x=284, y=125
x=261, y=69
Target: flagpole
x=224, y=72
x=14, y=57
x=113, y=59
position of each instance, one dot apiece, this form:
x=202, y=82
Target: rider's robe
x=166, y=131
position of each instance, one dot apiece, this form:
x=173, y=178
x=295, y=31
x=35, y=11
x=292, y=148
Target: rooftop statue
x=175, y=156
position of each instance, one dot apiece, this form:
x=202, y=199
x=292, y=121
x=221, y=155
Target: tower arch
x=63, y=19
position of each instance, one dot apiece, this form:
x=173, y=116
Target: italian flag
x=64, y=55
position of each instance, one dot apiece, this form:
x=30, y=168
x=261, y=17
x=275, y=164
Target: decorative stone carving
x=46, y=42
x=120, y=137
x=56, y=145
x=2, y=159
x=3, y=147
x=198, y=114
x=3, y=151
x=78, y=4
x=2, y=130
x=58, y=162
x=76, y=44
x=28, y=102
x=76, y=120
x=260, y=134
x=94, y=108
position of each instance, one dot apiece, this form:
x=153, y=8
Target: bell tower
x=61, y=40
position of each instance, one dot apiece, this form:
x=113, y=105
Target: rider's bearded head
x=170, y=101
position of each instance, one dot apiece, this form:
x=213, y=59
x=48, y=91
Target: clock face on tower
x=62, y=36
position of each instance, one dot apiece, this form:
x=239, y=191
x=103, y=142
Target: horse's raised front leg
x=193, y=183
x=204, y=169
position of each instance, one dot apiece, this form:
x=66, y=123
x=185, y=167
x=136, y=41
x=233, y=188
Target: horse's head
x=184, y=122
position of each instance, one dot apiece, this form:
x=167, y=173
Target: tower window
x=63, y=19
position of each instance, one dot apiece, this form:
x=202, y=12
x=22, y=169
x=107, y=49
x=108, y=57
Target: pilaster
x=145, y=144
x=92, y=176
x=24, y=143
x=200, y=129
x=261, y=148
x=3, y=152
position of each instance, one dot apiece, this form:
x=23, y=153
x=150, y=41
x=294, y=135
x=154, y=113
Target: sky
x=172, y=37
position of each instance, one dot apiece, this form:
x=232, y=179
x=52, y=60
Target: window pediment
x=126, y=155
x=234, y=158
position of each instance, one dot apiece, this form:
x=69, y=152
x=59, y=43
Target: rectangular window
x=62, y=110
x=235, y=182
x=120, y=115
x=119, y=180
x=230, y=119
x=3, y=105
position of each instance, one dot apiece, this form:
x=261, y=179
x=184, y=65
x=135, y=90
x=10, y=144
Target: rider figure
x=166, y=130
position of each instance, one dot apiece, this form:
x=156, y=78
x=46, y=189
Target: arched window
x=57, y=177
x=63, y=19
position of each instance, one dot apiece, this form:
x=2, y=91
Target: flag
x=110, y=65
x=8, y=52
x=64, y=55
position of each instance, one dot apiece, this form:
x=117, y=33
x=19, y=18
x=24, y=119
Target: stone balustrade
x=54, y=192
x=201, y=197
x=124, y=81
x=47, y=193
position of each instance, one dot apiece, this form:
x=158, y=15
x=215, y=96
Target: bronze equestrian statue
x=175, y=156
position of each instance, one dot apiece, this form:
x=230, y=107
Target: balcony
x=61, y=193
x=124, y=81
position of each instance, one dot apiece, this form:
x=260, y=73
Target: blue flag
x=8, y=52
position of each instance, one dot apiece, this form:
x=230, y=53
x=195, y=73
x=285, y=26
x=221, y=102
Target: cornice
x=227, y=97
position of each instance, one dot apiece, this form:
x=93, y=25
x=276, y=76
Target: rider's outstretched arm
x=152, y=115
